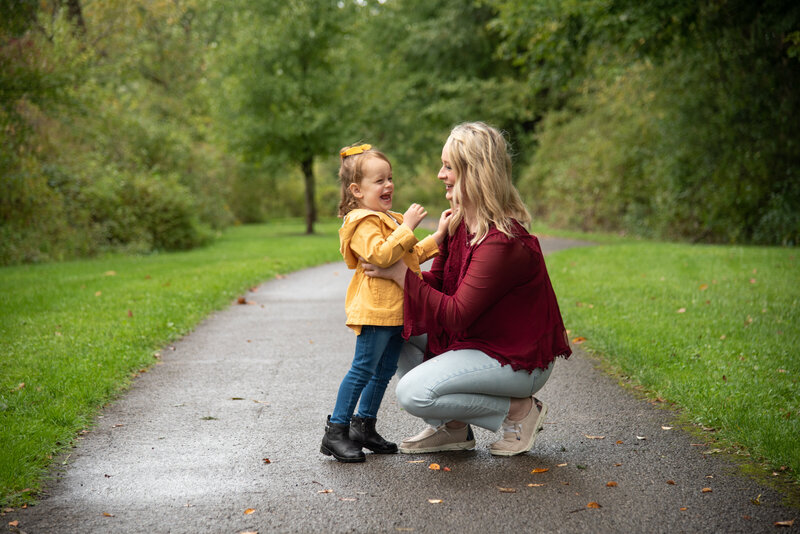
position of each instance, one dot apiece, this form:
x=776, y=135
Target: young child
x=373, y=234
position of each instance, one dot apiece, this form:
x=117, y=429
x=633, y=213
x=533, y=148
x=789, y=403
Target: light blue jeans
x=461, y=385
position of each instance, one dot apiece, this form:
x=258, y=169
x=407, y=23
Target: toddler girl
x=374, y=234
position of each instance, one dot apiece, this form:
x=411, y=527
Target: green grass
x=714, y=329
x=73, y=334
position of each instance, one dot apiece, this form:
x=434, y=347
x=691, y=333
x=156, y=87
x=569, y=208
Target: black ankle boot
x=337, y=443
x=362, y=431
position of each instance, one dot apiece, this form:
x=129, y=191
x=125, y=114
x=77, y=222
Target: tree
x=290, y=91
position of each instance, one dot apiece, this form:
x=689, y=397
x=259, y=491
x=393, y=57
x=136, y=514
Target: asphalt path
x=223, y=435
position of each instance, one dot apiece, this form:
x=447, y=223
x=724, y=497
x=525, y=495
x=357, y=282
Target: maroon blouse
x=495, y=297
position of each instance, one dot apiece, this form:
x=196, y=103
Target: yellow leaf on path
x=784, y=523
x=540, y=470
x=579, y=340
x=593, y=505
x=325, y=491
x=594, y=437
x=249, y=511
x=435, y=501
x=611, y=484
x=416, y=461
x=506, y=490
x=562, y=465
x=617, y=465
x=535, y=485
x=434, y=467
x=106, y=514
x=684, y=509
x=707, y=490
x=348, y=499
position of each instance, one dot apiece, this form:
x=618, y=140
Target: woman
x=488, y=311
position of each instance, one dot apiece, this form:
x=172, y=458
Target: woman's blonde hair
x=350, y=172
x=479, y=156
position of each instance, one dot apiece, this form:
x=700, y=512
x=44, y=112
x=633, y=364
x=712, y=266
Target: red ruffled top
x=495, y=297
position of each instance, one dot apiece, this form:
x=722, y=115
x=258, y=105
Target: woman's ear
x=355, y=190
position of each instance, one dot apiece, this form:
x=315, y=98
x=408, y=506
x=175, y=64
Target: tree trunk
x=311, y=205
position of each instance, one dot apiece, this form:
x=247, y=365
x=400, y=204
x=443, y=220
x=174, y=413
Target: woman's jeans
x=374, y=364
x=461, y=385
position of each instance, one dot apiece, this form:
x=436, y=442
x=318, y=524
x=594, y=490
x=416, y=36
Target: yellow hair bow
x=353, y=150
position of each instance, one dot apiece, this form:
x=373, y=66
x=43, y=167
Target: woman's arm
x=496, y=267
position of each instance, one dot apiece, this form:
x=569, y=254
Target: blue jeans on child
x=374, y=365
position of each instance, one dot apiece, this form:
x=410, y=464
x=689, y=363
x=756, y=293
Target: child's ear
x=355, y=190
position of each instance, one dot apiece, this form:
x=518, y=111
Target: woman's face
x=447, y=176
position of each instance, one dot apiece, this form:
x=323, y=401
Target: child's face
x=376, y=188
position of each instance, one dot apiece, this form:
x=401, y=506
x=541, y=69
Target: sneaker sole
x=539, y=427
x=463, y=446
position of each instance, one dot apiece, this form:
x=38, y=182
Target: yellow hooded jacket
x=379, y=239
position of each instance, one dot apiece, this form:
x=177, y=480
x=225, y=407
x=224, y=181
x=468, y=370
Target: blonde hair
x=350, y=172
x=479, y=156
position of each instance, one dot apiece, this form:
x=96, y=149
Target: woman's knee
x=413, y=397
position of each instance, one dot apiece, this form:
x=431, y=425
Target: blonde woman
x=483, y=325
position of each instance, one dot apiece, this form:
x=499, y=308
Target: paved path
x=183, y=450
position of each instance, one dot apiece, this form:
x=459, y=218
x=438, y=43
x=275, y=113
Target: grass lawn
x=714, y=329
x=73, y=334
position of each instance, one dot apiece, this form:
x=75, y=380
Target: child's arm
x=369, y=244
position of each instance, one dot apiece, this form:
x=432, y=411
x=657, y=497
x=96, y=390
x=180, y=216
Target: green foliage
x=711, y=328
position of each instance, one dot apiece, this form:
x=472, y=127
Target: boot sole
x=327, y=452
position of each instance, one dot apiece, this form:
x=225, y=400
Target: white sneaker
x=439, y=439
x=519, y=436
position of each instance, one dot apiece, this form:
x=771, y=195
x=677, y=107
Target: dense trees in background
x=150, y=124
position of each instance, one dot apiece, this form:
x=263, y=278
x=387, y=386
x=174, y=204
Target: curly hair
x=350, y=172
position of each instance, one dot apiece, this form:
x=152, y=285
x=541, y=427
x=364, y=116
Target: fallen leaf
x=249, y=511
x=593, y=505
x=106, y=514
x=415, y=461
x=241, y=300
x=620, y=442
x=784, y=523
x=506, y=490
x=594, y=437
x=683, y=509
x=681, y=310
x=325, y=491
x=266, y=460
x=671, y=482
x=434, y=467
x=641, y=437
x=445, y=469
x=13, y=523
x=535, y=485
x=757, y=500
x=348, y=499
x=752, y=280
x=666, y=427
x=611, y=484
x=237, y=398
x=703, y=287
x=435, y=501
x=249, y=532
x=617, y=465
x=540, y=470
x=98, y=293
x=579, y=340
x=562, y=465
x=111, y=273
x=707, y=490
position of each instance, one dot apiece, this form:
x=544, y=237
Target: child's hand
x=413, y=215
x=441, y=230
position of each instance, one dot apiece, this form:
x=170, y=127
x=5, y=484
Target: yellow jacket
x=379, y=239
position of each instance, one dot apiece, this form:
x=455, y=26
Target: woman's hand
x=396, y=272
x=444, y=222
